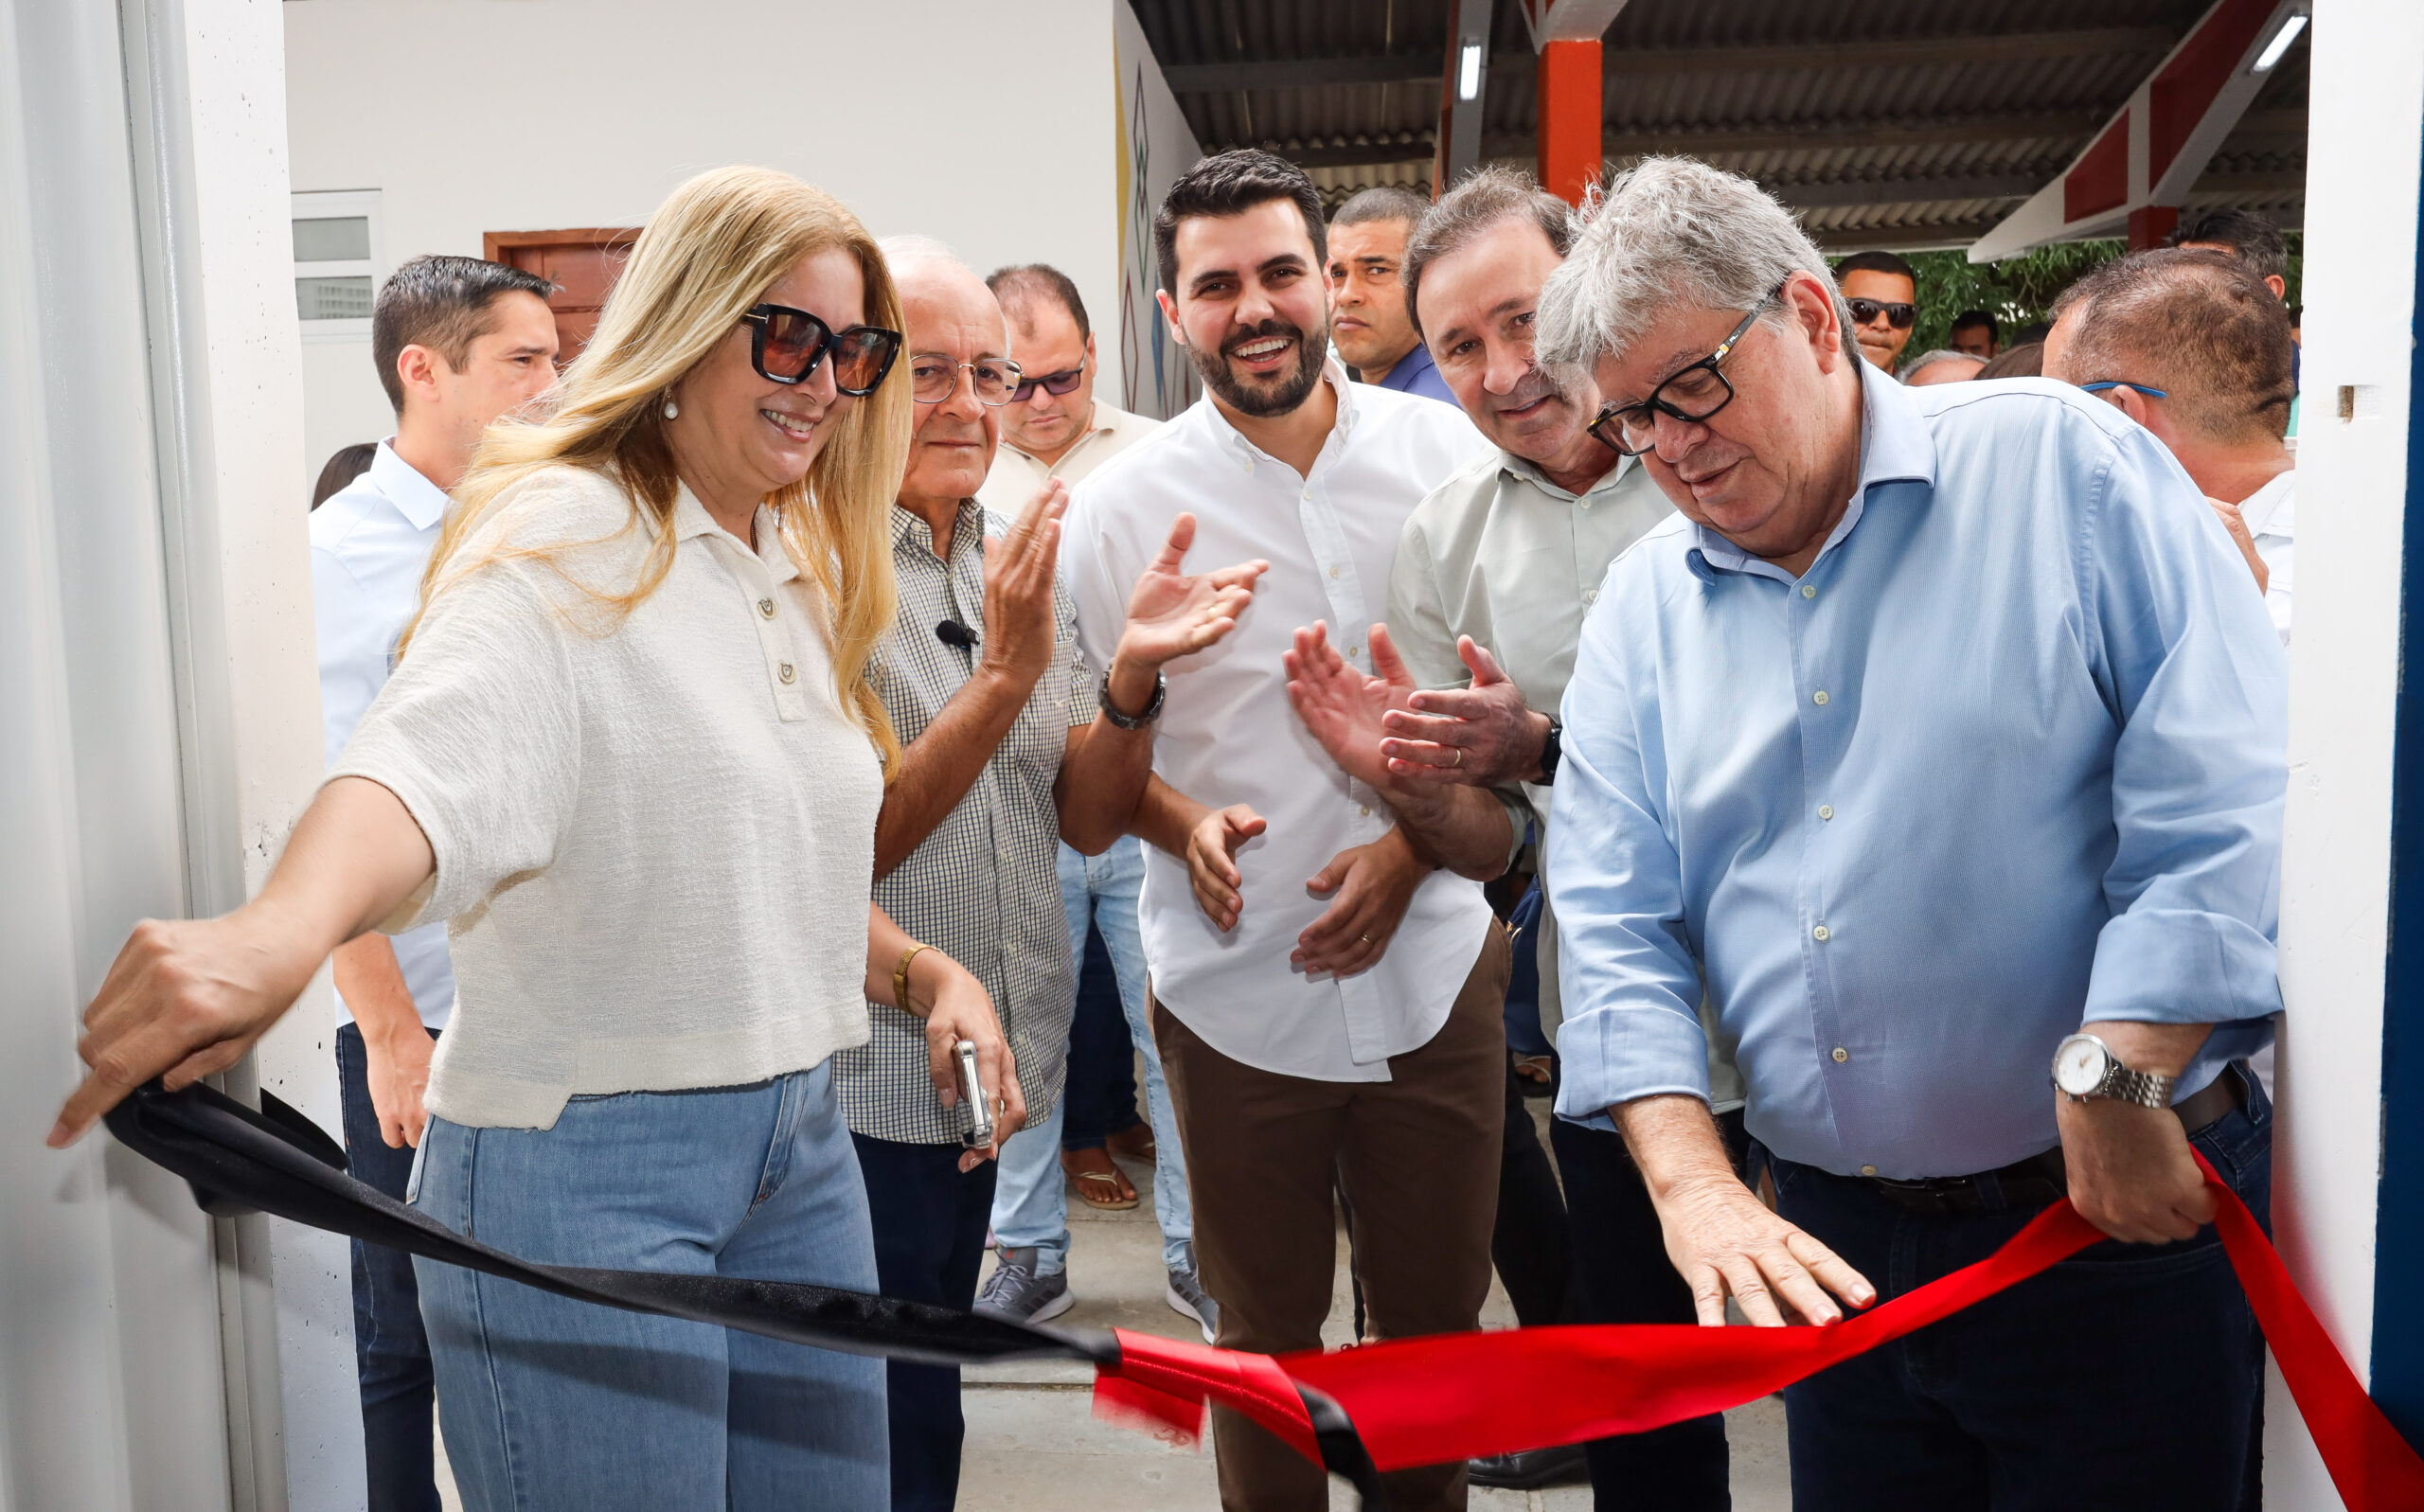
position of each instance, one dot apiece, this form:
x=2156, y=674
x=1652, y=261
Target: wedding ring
x=1460, y=758
x=1368, y=939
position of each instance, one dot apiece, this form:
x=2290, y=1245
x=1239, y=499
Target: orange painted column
x=1570, y=103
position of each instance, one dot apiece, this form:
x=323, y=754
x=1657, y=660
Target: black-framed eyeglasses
x=2102, y=384
x=1896, y=314
x=785, y=346
x=1054, y=385
x=1691, y=395
x=934, y=378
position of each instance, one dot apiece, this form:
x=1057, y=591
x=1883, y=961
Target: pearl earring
x=671, y=409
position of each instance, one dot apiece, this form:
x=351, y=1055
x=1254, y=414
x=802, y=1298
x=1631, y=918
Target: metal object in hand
x=980, y=1107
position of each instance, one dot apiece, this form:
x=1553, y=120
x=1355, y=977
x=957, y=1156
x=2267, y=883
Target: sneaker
x=1530, y=1469
x=1015, y=1293
x=1187, y=1298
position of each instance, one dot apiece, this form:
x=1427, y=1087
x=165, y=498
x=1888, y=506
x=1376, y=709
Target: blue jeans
x=929, y=1245
x=2122, y=1379
x=390, y=1350
x=548, y=1403
x=1031, y=1199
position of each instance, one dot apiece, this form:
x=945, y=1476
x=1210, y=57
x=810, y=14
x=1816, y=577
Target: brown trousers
x=1416, y=1157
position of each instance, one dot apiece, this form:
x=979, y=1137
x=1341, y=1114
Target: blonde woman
x=631, y=753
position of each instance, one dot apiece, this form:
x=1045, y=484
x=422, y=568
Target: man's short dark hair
x=1231, y=184
x=1477, y=204
x=344, y=465
x=1972, y=319
x=2253, y=238
x=1386, y=201
x=1877, y=262
x=1019, y=288
x=441, y=303
x=2196, y=324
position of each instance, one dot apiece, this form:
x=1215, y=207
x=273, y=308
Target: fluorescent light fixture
x=1469, y=71
x=2280, y=43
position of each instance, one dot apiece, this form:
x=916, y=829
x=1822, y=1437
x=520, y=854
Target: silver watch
x=2085, y=1066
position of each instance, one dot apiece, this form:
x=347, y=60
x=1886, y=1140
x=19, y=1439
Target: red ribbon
x=1452, y=1397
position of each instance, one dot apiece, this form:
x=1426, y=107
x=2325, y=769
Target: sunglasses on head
x=1898, y=316
x=1054, y=385
x=785, y=346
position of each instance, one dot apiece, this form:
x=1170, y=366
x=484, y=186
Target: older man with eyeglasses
x=1939, y=737
x=1011, y=743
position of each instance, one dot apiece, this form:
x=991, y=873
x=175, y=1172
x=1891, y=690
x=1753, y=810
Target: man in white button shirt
x=1497, y=570
x=1326, y=1001
x=2195, y=346
x=458, y=342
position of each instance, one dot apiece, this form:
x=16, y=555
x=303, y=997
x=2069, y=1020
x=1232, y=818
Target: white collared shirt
x=2270, y=514
x=369, y=544
x=655, y=832
x=1015, y=474
x=1228, y=734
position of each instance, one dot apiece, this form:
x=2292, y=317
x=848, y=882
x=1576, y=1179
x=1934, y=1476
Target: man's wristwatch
x=1552, y=751
x=2085, y=1066
x=1134, y=722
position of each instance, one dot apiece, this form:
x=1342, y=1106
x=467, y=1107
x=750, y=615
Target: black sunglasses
x=1897, y=316
x=1054, y=385
x=785, y=346
x=1691, y=395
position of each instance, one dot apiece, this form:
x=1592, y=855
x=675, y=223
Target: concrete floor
x=1033, y=1442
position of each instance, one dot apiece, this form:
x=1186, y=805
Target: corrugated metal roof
x=1900, y=122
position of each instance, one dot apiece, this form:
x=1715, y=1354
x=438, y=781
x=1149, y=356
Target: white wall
x=2365, y=129
x=1156, y=145
x=987, y=125
x=159, y=729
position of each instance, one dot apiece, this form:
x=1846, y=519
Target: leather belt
x=2041, y=1180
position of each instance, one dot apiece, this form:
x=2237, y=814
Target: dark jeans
x=1529, y=1243
x=930, y=1223
x=1621, y=1274
x=2124, y=1378
x=391, y=1351
x=1100, y=1096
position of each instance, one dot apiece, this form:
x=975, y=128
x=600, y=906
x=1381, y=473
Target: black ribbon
x=278, y=1162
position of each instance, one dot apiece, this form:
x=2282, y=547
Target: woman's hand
x=957, y=1007
x=184, y=1000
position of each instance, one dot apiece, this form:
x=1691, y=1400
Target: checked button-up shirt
x=984, y=888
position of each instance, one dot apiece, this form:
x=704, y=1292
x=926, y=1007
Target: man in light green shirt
x=1493, y=576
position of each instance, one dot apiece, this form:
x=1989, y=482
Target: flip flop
x=1122, y=1195
x=1135, y=1142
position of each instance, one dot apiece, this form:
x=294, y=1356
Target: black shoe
x=1529, y=1470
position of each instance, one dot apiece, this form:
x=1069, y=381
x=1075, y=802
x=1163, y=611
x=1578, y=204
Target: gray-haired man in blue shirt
x=1939, y=736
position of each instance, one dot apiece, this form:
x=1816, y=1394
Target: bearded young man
x=1496, y=571
x=1326, y=1000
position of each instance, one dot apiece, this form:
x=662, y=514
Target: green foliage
x=2015, y=291
x=2018, y=290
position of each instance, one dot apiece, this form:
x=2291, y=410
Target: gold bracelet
x=900, y=978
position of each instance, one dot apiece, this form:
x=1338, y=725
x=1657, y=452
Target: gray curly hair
x=1671, y=231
